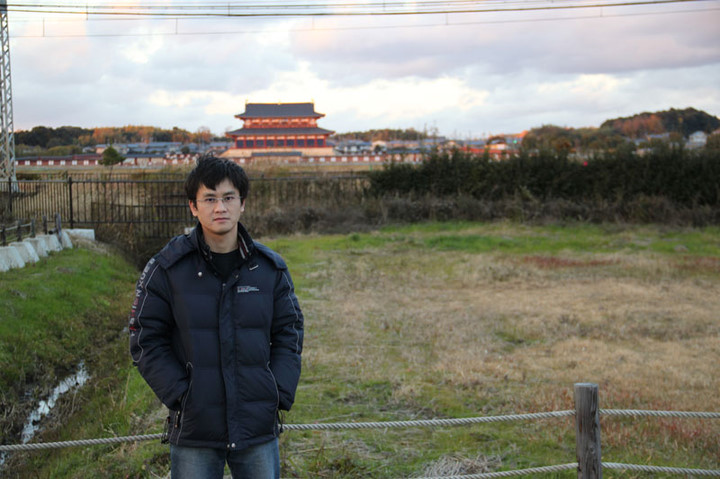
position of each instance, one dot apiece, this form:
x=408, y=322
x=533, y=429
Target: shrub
x=683, y=178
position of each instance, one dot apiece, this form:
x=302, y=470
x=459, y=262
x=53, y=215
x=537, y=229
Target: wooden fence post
x=587, y=431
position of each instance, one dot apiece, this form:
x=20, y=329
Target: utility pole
x=7, y=136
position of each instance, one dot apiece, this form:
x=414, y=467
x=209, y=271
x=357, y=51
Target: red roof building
x=279, y=130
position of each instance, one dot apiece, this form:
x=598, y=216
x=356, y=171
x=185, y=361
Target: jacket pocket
x=175, y=420
x=277, y=426
x=277, y=391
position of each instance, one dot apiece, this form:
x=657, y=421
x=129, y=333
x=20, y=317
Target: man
x=217, y=332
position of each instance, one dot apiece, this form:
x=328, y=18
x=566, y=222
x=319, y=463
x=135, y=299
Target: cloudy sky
x=462, y=75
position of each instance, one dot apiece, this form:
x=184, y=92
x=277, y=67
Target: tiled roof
x=277, y=153
x=279, y=131
x=280, y=110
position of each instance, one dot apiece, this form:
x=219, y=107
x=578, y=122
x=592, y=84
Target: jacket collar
x=246, y=246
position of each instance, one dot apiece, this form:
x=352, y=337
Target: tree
x=38, y=136
x=684, y=122
x=713, y=142
x=203, y=135
x=180, y=135
x=111, y=157
x=106, y=135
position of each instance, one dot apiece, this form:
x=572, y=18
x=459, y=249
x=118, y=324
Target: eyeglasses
x=212, y=201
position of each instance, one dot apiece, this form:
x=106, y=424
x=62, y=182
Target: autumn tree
x=106, y=135
x=203, y=135
x=180, y=135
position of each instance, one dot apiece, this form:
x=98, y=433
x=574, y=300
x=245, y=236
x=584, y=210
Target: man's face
x=218, y=210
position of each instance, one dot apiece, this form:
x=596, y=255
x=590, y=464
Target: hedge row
x=683, y=177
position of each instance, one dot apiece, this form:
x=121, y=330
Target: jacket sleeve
x=287, y=339
x=151, y=326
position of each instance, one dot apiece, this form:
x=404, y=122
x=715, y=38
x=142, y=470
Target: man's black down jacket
x=223, y=357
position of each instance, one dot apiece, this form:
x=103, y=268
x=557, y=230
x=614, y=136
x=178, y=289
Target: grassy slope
x=453, y=320
x=70, y=307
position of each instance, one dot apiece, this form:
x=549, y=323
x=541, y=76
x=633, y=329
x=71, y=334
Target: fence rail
x=589, y=463
x=160, y=205
x=15, y=230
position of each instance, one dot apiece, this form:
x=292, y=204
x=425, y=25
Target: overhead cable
x=232, y=11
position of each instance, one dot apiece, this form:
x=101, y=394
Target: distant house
x=219, y=146
x=420, y=145
x=658, y=136
x=157, y=149
x=279, y=130
x=697, y=139
x=353, y=147
x=476, y=147
x=497, y=146
x=143, y=159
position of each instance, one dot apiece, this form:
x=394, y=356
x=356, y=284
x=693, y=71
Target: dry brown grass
x=473, y=317
x=514, y=334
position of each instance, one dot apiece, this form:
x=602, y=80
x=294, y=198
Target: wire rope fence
x=589, y=464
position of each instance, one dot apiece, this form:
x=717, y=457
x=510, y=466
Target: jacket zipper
x=180, y=414
x=277, y=399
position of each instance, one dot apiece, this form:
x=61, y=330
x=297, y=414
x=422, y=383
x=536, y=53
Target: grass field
x=457, y=320
x=460, y=320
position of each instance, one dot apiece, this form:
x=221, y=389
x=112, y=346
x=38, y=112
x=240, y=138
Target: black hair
x=211, y=171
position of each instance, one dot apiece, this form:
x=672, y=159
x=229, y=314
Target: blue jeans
x=257, y=462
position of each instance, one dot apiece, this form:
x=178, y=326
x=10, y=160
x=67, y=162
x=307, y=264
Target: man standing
x=216, y=331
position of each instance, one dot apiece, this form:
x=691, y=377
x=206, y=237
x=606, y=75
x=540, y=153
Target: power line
x=100, y=16
x=502, y=6
x=235, y=10
x=346, y=28
x=225, y=6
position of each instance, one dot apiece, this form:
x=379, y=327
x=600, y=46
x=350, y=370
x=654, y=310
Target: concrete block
x=27, y=251
x=81, y=233
x=65, y=240
x=52, y=242
x=39, y=245
x=10, y=258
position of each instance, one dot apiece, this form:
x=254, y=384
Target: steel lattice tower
x=7, y=136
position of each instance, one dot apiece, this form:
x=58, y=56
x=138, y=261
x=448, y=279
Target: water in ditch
x=44, y=406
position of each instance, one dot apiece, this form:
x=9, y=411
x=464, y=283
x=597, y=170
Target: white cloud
x=474, y=79
x=564, y=44
x=378, y=99
x=141, y=51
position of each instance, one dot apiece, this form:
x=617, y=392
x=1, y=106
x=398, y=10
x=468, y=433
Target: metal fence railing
x=159, y=206
x=14, y=231
x=19, y=230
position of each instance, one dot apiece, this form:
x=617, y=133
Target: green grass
x=339, y=393
x=364, y=362
x=509, y=238
x=72, y=306
x=53, y=309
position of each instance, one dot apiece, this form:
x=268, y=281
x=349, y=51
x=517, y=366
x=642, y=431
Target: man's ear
x=193, y=207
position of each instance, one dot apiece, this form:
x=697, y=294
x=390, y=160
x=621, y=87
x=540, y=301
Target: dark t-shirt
x=225, y=263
